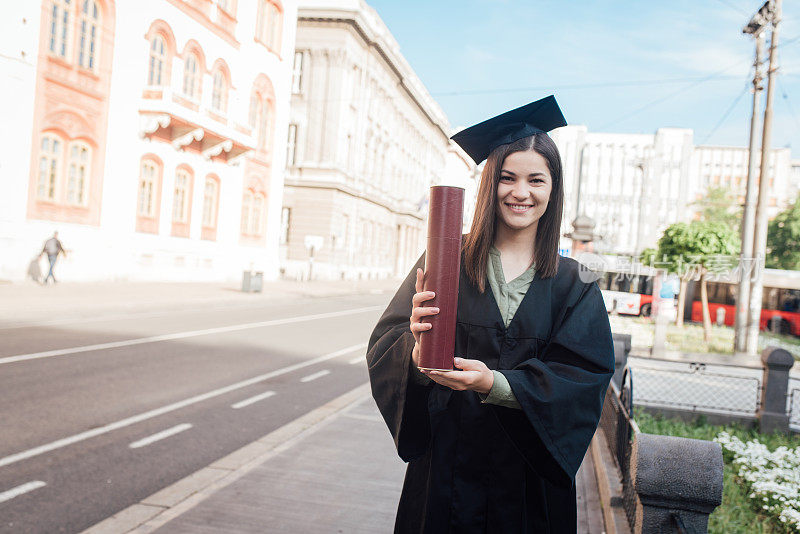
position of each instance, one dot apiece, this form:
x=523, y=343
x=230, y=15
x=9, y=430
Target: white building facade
x=635, y=185
x=147, y=134
x=365, y=143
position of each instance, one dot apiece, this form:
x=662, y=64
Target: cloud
x=474, y=54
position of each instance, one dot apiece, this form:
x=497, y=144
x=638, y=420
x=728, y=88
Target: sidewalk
x=28, y=301
x=334, y=470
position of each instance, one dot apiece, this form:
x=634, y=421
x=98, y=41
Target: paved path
x=339, y=475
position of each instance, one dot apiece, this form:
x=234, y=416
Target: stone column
x=772, y=414
x=622, y=347
x=317, y=92
x=334, y=103
x=678, y=481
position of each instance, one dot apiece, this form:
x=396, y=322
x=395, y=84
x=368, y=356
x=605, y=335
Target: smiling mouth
x=519, y=208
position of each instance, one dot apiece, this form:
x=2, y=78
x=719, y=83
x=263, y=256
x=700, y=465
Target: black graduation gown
x=477, y=467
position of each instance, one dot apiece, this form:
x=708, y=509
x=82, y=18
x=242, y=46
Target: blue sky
x=628, y=67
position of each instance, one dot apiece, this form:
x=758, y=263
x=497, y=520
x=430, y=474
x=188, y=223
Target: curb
x=609, y=486
x=163, y=506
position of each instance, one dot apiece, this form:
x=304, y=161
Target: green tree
x=719, y=205
x=693, y=249
x=783, y=239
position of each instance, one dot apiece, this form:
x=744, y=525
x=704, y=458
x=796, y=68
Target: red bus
x=627, y=293
x=780, y=304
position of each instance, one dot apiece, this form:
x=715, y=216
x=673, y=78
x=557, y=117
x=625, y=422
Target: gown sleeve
x=401, y=395
x=562, y=389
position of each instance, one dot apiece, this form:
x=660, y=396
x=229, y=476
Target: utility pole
x=641, y=164
x=746, y=255
x=760, y=241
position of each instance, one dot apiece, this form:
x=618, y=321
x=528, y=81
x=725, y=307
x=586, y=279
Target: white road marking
x=107, y=316
x=253, y=400
x=356, y=360
x=319, y=374
x=19, y=490
x=182, y=335
x=169, y=408
x=160, y=435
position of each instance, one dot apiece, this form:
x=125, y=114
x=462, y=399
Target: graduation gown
x=476, y=467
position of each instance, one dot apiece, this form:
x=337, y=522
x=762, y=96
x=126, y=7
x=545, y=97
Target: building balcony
x=170, y=117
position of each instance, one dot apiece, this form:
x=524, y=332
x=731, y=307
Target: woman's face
x=523, y=190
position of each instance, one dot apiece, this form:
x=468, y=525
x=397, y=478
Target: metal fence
x=793, y=404
x=619, y=429
x=693, y=387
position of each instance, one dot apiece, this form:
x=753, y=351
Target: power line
x=785, y=96
x=594, y=85
x=727, y=112
x=669, y=95
x=735, y=8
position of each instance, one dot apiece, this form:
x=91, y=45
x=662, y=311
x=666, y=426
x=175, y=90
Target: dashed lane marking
x=158, y=436
x=170, y=407
x=253, y=400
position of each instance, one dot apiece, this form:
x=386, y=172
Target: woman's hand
x=418, y=312
x=473, y=375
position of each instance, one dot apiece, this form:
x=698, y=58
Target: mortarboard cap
x=537, y=117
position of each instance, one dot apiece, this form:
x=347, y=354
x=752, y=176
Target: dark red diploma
x=442, y=265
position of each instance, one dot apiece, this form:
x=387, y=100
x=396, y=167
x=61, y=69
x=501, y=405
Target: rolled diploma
x=442, y=266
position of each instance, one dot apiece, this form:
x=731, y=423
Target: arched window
x=263, y=125
x=210, y=194
x=49, y=165
x=59, y=27
x=89, y=27
x=255, y=110
x=219, y=92
x=269, y=24
x=155, y=71
x=247, y=208
x=148, y=176
x=78, y=173
x=257, y=215
x=180, y=202
x=190, y=76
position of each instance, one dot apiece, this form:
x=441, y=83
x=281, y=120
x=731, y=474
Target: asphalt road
x=100, y=411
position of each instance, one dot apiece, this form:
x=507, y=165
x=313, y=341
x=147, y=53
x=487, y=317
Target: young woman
x=494, y=445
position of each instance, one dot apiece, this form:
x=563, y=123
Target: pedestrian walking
x=52, y=247
x=494, y=445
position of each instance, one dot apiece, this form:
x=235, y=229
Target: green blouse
x=508, y=296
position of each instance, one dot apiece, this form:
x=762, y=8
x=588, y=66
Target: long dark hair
x=482, y=233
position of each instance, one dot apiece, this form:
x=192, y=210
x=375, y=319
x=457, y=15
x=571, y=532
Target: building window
x=263, y=125
x=269, y=25
x=252, y=213
x=219, y=92
x=89, y=34
x=180, y=202
x=297, y=73
x=210, y=203
x=291, y=145
x=157, y=61
x=257, y=215
x=146, y=206
x=255, y=110
x=247, y=208
x=190, y=76
x=59, y=27
x=78, y=174
x=49, y=156
x=286, y=215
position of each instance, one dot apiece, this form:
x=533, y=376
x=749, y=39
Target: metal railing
x=619, y=429
x=693, y=387
x=793, y=404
